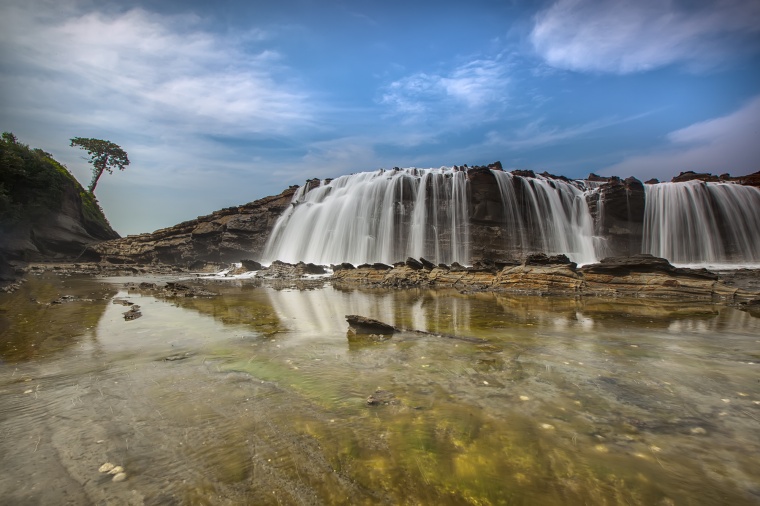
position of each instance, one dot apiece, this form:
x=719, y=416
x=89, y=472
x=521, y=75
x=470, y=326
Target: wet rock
x=312, y=268
x=426, y=264
x=361, y=325
x=637, y=276
x=378, y=266
x=413, y=263
x=617, y=208
x=119, y=477
x=382, y=398
x=690, y=175
x=63, y=299
x=122, y=302
x=178, y=356
x=543, y=259
x=284, y=270
x=133, y=313
x=251, y=265
x=106, y=467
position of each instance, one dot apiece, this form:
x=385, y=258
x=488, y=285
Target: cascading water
x=702, y=223
x=381, y=216
x=386, y=216
x=547, y=216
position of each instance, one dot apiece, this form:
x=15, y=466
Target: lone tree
x=104, y=155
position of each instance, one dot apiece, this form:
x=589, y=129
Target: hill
x=44, y=212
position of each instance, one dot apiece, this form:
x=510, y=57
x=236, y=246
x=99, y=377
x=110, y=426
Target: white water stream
x=387, y=216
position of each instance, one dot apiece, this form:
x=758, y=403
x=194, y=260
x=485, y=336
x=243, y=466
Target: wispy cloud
x=538, y=132
x=473, y=88
x=724, y=144
x=167, y=69
x=621, y=36
x=162, y=86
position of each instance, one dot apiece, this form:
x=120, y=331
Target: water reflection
x=50, y=313
x=587, y=401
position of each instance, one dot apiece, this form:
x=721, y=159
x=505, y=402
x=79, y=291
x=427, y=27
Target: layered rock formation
x=634, y=276
x=228, y=235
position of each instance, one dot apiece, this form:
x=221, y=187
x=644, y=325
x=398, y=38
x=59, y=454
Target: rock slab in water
x=133, y=314
x=361, y=325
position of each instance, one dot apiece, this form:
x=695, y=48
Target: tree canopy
x=104, y=156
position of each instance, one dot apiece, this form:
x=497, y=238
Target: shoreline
x=640, y=276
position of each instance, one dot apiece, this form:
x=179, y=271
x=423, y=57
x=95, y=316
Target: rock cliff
x=616, y=207
x=44, y=211
x=228, y=235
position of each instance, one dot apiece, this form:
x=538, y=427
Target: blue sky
x=221, y=103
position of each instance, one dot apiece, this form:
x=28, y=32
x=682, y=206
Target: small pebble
x=120, y=477
x=726, y=400
x=106, y=467
x=524, y=398
x=547, y=426
x=116, y=470
x=698, y=430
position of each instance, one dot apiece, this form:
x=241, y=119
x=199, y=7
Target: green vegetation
x=104, y=155
x=33, y=184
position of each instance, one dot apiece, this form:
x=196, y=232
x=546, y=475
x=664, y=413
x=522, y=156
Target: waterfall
x=702, y=223
x=388, y=215
x=548, y=216
x=381, y=216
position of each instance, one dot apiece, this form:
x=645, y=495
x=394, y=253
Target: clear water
x=263, y=399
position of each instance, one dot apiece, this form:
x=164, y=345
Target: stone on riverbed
x=363, y=326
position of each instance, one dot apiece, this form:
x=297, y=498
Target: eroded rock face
x=228, y=235
x=636, y=276
x=618, y=213
x=749, y=180
x=60, y=234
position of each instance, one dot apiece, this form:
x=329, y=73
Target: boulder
x=359, y=325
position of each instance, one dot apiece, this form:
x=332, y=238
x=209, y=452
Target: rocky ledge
x=227, y=235
x=634, y=276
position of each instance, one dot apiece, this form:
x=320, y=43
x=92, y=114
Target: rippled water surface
x=258, y=397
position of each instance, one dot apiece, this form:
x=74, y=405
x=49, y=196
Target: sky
x=221, y=103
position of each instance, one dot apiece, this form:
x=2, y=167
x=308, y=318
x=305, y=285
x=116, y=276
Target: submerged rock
x=133, y=313
x=361, y=325
x=381, y=398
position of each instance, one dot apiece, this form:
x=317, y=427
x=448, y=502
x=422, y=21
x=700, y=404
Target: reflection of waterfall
x=548, y=216
x=697, y=222
x=381, y=216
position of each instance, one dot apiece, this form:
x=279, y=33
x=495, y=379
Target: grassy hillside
x=32, y=185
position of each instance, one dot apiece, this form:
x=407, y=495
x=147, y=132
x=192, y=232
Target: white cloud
x=725, y=144
x=537, y=133
x=624, y=36
x=164, y=69
x=160, y=86
x=475, y=87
